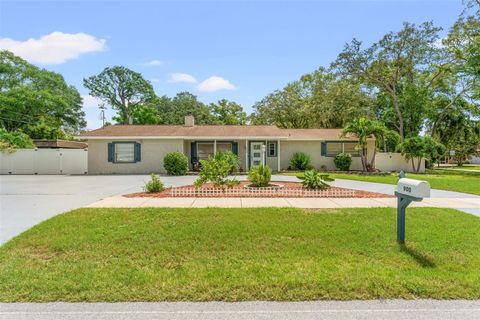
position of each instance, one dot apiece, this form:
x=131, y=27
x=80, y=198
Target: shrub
x=216, y=170
x=175, y=163
x=314, y=180
x=343, y=161
x=259, y=176
x=154, y=185
x=300, y=161
x=232, y=159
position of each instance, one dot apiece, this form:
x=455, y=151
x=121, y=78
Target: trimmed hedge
x=343, y=161
x=175, y=163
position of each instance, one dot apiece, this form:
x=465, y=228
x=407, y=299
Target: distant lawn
x=451, y=180
x=242, y=254
x=465, y=167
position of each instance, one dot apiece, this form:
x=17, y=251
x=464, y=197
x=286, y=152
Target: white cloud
x=182, y=77
x=54, y=48
x=215, y=83
x=91, y=102
x=153, y=63
x=155, y=80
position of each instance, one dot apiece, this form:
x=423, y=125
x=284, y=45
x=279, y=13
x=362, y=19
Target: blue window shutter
x=138, y=152
x=324, y=149
x=111, y=151
x=235, y=148
x=193, y=152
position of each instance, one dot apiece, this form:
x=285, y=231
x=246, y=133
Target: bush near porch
x=162, y=254
x=175, y=163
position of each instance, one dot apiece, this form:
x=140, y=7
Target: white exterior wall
x=395, y=162
x=313, y=149
x=152, y=153
x=475, y=160
x=44, y=161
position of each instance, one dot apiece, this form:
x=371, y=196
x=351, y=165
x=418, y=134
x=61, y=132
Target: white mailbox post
x=408, y=190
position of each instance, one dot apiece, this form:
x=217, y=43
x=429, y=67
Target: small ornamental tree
x=416, y=148
x=175, y=163
x=343, y=161
x=216, y=170
x=363, y=129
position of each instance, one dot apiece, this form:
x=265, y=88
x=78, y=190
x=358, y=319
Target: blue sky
x=240, y=51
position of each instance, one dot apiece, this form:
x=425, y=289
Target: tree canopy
x=37, y=101
x=123, y=89
x=317, y=100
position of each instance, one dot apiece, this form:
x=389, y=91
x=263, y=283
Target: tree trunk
x=372, y=162
x=364, y=160
x=400, y=117
x=413, y=165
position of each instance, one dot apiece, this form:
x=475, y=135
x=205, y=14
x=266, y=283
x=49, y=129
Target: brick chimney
x=189, y=121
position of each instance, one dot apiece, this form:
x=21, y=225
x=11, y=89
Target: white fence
x=44, y=161
x=260, y=192
x=386, y=161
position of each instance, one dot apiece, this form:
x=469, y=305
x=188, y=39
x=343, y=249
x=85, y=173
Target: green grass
x=451, y=180
x=465, y=167
x=242, y=254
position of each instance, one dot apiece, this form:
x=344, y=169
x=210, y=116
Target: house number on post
x=408, y=190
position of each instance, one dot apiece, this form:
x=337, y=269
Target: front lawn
x=242, y=254
x=451, y=180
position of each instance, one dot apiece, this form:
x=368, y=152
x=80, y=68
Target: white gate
x=44, y=161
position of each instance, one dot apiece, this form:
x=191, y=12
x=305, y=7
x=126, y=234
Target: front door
x=256, y=157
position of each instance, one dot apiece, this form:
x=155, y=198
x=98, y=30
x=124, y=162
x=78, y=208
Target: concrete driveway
x=26, y=200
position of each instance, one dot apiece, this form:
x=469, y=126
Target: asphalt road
x=325, y=310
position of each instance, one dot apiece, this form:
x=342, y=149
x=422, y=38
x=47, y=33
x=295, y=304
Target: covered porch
x=250, y=152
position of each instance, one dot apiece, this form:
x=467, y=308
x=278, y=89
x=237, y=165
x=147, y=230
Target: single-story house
x=139, y=149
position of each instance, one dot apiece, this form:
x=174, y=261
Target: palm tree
x=364, y=129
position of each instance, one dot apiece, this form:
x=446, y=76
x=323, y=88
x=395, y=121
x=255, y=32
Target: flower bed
x=289, y=190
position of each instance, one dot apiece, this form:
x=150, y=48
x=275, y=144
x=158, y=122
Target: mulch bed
x=167, y=193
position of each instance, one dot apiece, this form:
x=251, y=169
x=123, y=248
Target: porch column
x=246, y=155
x=214, y=147
x=278, y=154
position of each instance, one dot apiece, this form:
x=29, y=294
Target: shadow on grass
x=420, y=258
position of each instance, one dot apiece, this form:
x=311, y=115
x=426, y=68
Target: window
x=334, y=148
x=125, y=152
x=331, y=149
x=351, y=148
x=224, y=147
x=272, y=149
x=206, y=149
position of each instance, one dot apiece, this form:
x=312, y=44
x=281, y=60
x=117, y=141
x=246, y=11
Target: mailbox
x=413, y=188
x=408, y=190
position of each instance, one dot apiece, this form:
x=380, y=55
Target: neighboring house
x=141, y=148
